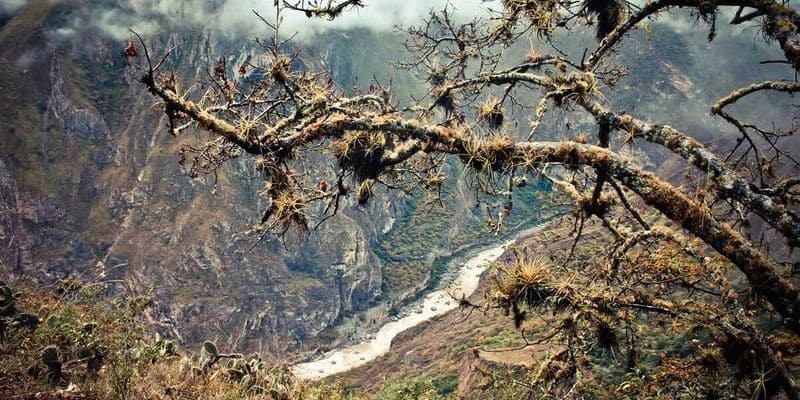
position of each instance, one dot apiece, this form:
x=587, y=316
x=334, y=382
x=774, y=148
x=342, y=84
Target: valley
x=466, y=203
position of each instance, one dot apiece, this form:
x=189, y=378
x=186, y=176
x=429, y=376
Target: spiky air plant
x=485, y=155
x=586, y=84
x=542, y=14
x=444, y=99
x=525, y=282
x=500, y=144
x=288, y=207
x=534, y=56
x=708, y=13
x=279, y=69
x=361, y=152
x=575, y=88
x=365, y=191
x=709, y=358
x=436, y=180
x=609, y=14
x=600, y=206
x=436, y=74
x=491, y=112
x=605, y=335
x=559, y=368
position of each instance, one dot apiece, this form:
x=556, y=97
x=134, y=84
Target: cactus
x=7, y=301
x=210, y=348
x=26, y=320
x=238, y=374
x=49, y=355
x=6, y=294
x=89, y=327
x=95, y=362
x=212, y=355
x=93, y=356
x=49, y=358
x=166, y=348
x=245, y=372
x=258, y=389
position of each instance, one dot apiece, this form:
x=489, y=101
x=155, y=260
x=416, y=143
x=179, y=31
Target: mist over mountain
x=113, y=18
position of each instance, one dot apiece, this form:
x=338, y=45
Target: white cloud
x=237, y=17
x=9, y=6
x=383, y=15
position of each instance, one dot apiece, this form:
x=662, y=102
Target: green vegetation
x=411, y=389
x=427, y=226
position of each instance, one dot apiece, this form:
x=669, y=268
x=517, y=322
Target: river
x=435, y=303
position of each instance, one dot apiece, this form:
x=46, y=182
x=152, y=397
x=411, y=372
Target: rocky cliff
x=91, y=188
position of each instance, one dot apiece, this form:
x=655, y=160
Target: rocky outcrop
x=14, y=238
x=71, y=117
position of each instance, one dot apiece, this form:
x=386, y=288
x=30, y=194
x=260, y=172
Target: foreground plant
x=85, y=349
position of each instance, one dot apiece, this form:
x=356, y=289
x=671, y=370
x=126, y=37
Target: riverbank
x=433, y=304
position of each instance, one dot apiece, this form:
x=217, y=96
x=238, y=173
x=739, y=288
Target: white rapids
x=435, y=303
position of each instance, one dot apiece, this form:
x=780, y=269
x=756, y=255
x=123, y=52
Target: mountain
x=92, y=188
x=93, y=191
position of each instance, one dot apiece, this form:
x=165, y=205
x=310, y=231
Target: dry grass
x=125, y=360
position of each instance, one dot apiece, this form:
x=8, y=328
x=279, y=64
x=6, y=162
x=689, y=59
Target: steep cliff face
x=91, y=187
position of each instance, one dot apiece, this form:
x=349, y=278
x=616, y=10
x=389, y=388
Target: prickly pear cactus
x=212, y=355
x=88, y=328
x=25, y=320
x=210, y=348
x=6, y=294
x=49, y=355
x=7, y=301
x=49, y=358
x=166, y=348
